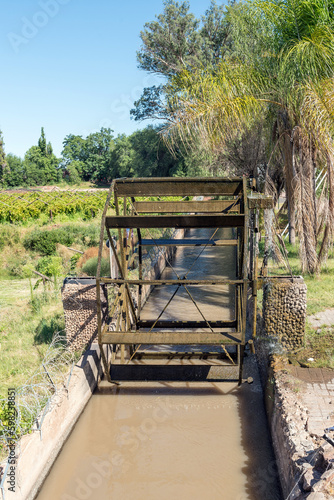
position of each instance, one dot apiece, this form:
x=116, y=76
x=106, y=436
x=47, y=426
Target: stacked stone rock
x=80, y=309
x=284, y=310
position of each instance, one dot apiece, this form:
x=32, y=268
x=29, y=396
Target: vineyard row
x=22, y=207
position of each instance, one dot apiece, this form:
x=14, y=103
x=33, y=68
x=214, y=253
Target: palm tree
x=281, y=79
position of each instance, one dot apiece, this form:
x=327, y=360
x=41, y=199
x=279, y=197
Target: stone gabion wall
x=80, y=310
x=284, y=310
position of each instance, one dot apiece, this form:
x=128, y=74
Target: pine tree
x=49, y=150
x=4, y=169
x=41, y=165
x=42, y=142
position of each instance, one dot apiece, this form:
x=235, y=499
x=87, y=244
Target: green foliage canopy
x=174, y=42
x=40, y=164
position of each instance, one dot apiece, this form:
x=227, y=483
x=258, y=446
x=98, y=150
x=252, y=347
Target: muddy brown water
x=172, y=440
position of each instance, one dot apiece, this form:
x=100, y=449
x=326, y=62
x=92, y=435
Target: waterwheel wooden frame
x=205, y=203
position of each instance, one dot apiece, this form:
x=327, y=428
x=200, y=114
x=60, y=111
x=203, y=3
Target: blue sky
x=70, y=66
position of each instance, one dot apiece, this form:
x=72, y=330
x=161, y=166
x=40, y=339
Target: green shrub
x=38, y=301
x=51, y=266
x=90, y=267
x=73, y=264
x=48, y=327
x=90, y=235
x=44, y=241
x=9, y=236
x=15, y=265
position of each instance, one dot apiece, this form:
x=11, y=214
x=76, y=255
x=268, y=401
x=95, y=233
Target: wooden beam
x=167, y=186
x=151, y=221
x=258, y=200
x=189, y=243
x=172, y=338
x=74, y=250
x=170, y=355
x=180, y=282
x=142, y=207
x=185, y=324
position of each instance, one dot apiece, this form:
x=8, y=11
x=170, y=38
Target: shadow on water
x=163, y=389
x=259, y=468
x=172, y=373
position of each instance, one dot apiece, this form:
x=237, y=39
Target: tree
x=42, y=142
x=40, y=164
x=123, y=157
x=92, y=155
x=3, y=162
x=275, y=84
x=73, y=150
x=16, y=173
x=151, y=157
x=145, y=154
x=176, y=41
x=99, y=147
x=73, y=172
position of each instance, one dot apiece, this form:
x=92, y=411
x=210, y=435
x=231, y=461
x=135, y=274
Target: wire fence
x=25, y=410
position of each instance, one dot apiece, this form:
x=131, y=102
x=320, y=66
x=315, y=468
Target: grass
x=13, y=292
x=318, y=346
x=25, y=332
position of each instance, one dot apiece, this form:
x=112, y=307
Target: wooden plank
x=177, y=355
x=151, y=221
x=172, y=338
x=167, y=186
x=185, y=206
x=258, y=200
x=148, y=323
x=189, y=242
x=180, y=282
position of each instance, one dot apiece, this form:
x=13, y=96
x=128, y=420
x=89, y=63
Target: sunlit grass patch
x=319, y=348
x=25, y=336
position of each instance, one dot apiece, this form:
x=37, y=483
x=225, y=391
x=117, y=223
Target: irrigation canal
x=173, y=440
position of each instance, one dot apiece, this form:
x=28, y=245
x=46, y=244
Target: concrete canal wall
x=37, y=451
